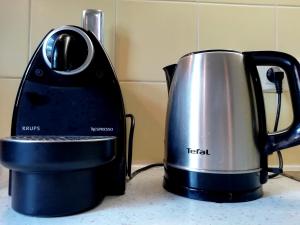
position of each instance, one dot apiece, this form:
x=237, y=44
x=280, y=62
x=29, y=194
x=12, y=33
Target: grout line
x=289, y=167
x=288, y=6
x=115, y=34
x=198, y=27
x=222, y=3
x=29, y=31
x=236, y=4
x=9, y=78
x=117, y=11
x=120, y=81
x=218, y=3
x=163, y=1
x=142, y=81
x=208, y=2
x=276, y=27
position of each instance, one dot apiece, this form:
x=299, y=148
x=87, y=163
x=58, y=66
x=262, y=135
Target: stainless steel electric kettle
x=216, y=141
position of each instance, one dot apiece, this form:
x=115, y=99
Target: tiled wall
x=143, y=36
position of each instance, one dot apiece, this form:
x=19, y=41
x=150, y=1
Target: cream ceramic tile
x=288, y=2
x=151, y=35
x=291, y=156
x=167, y=0
x=236, y=27
x=288, y=30
x=242, y=2
x=14, y=24
x=148, y=103
x=47, y=15
x=8, y=92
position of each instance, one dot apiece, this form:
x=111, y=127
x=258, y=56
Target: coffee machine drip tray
x=66, y=171
x=42, y=153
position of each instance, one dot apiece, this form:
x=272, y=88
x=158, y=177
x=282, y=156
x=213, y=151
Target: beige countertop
x=146, y=202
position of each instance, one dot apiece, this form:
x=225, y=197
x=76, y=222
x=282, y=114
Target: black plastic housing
x=212, y=186
x=85, y=105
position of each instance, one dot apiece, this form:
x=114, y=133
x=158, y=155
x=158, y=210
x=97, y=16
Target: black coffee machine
x=68, y=144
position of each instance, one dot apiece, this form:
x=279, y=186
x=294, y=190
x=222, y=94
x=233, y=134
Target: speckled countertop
x=146, y=202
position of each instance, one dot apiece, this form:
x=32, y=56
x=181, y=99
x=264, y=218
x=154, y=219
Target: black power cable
x=275, y=76
x=129, y=157
x=130, y=143
x=136, y=172
x=277, y=112
x=279, y=170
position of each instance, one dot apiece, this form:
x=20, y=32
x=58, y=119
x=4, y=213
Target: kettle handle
x=290, y=136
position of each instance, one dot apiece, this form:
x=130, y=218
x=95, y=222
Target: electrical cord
x=130, y=143
x=279, y=154
x=277, y=112
x=136, y=172
x=129, y=157
x=276, y=76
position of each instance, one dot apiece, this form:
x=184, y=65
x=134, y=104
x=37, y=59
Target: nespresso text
x=95, y=129
x=198, y=151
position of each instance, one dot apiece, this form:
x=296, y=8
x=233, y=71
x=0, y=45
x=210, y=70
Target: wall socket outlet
x=268, y=86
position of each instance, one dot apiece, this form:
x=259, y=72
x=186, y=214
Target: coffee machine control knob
x=68, y=50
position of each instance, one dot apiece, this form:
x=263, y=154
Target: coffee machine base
x=55, y=175
x=213, y=187
x=57, y=193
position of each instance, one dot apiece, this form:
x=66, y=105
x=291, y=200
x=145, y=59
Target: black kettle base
x=212, y=196
x=213, y=187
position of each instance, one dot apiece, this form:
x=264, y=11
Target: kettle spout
x=169, y=71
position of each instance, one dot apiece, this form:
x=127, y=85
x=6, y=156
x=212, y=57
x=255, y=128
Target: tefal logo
x=198, y=151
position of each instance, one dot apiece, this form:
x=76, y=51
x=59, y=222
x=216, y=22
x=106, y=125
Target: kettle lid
x=211, y=50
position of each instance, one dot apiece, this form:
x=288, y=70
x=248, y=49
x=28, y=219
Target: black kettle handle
x=290, y=136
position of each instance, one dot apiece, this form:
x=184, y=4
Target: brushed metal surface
x=92, y=20
x=210, y=112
